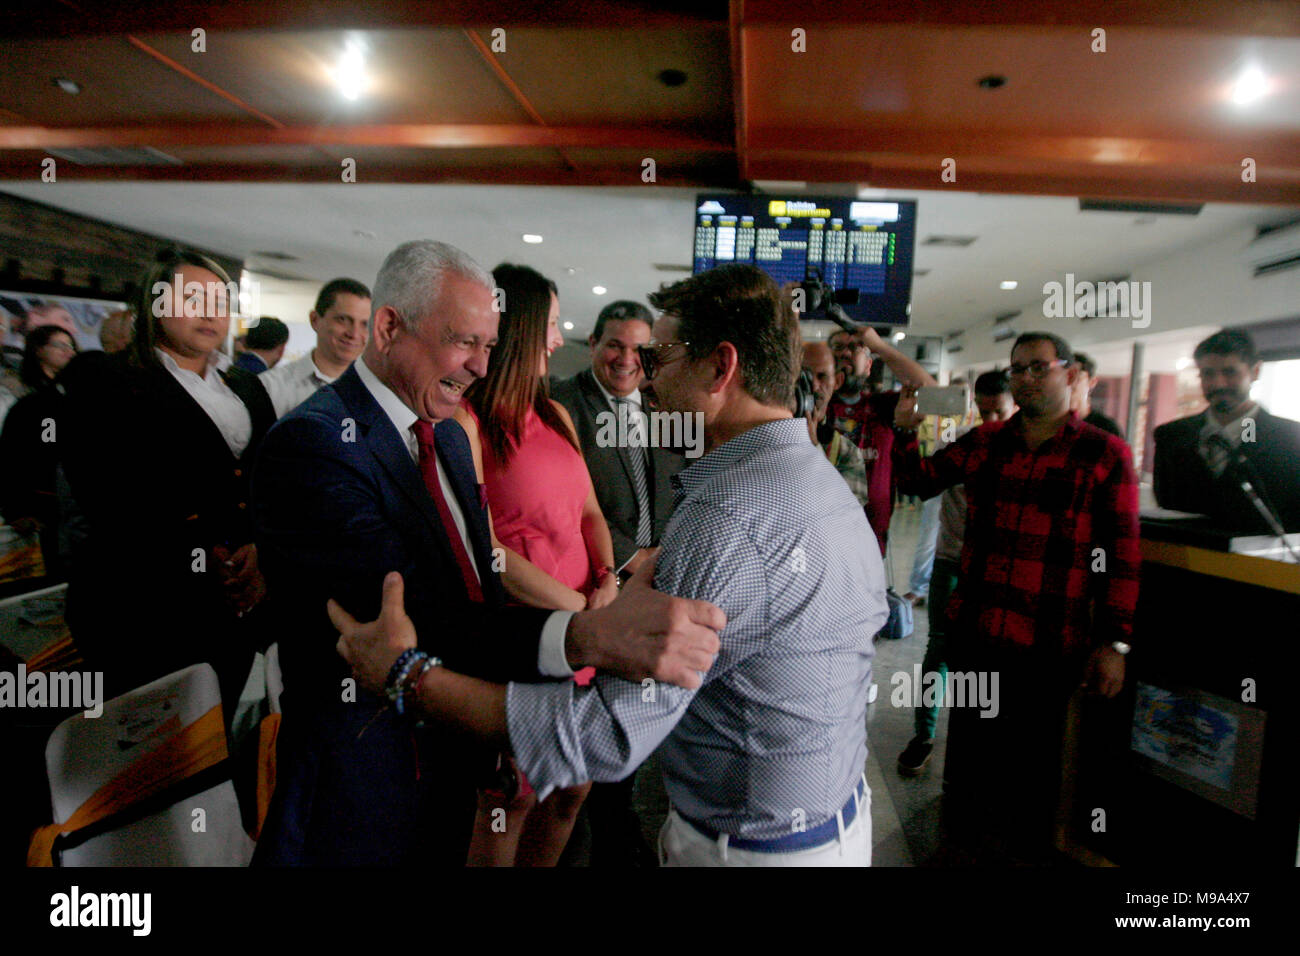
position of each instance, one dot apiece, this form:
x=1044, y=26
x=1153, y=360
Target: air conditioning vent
x=1006, y=317
x=951, y=242
x=117, y=156
x=1001, y=335
x=1125, y=206
x=1274, y=250
x=670, y=267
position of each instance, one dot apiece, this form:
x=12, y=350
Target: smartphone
x=946, y=400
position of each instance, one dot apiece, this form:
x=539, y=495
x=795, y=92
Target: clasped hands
x=641, y=633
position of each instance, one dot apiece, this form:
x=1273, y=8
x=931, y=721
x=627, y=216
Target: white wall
x=288, y=300
x=1206, y=286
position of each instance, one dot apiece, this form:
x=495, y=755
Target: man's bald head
x=820, y=364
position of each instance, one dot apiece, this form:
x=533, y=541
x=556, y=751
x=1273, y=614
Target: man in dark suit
x=1198, y=459
x=631, y=483
x=632, y=486
x=264, y=345
x=356, y=482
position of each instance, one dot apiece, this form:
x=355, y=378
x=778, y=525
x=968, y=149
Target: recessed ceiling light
x=1008, y=284
x=991, y=82
x=568, y=326
x=1251, y=85
x=672, y=78
x=350, y=75
x=599, y=289
x=899, y=336
x=532, y=238
x=71, y=87
x=364, y=234
x=1183, y=363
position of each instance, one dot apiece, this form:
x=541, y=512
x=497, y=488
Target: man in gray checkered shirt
x=764, y=762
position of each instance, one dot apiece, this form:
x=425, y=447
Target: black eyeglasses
x=650, y=355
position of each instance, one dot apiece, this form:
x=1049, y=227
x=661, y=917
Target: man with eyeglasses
x=764, y=763
x=868, y=419
x=631, y=482
x=1201, y=460
x=1047, y=589
x=633, y=490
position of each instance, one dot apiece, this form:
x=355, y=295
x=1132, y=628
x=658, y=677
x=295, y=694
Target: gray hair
x=411, y=278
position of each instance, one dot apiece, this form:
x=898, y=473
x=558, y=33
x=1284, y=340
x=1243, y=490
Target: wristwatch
x=1120, y=648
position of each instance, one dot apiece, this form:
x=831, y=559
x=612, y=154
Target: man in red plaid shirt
x=1048, y=586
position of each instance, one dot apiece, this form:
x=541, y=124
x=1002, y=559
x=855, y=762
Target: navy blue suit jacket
x=338, y=503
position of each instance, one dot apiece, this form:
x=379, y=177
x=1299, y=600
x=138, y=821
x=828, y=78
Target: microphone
x=1243, y=472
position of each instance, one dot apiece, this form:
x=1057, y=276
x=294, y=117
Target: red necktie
x=429, y=471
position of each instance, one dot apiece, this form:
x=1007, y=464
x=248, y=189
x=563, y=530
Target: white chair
x=86, y=754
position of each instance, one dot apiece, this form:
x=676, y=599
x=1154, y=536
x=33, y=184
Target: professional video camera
x=820, y=301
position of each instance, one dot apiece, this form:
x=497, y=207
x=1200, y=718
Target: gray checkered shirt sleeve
x=563, y=734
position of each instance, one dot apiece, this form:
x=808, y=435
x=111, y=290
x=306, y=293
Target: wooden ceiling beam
x=1266, y=149
x=1274, y=18
x=1281, y=188
x=62, y=18
x=722, y=176
x=428, y=136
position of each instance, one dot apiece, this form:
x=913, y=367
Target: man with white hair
x=372, y=474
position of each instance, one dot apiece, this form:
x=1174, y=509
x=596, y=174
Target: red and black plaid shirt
x=1051, y=554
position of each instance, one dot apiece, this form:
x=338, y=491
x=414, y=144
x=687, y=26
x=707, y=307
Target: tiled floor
x=904, y=812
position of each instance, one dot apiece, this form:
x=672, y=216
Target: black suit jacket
x=159, y=489
x=338, y=503
x=1183, y=482
x=611, y=469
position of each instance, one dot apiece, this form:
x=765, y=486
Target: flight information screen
x=854, y=244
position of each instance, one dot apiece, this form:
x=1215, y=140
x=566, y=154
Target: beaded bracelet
x=412, y=683
x=398, y=673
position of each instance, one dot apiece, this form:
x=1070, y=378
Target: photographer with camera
x=818, y=382
x=868, y=419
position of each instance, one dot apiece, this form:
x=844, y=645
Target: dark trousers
x=1002, y=774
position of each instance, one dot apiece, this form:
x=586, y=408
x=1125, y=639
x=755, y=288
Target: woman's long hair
x=31, y=372
x=512, y=385
x=144, y=338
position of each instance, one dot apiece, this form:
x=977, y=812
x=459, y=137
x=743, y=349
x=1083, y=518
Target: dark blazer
x=611, y=469
x=158, y=489
x=251, y=362
x=1183, y=482
x=338, y=503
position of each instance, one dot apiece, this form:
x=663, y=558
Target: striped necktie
x=633, y=424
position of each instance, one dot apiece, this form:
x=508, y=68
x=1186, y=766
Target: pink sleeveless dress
x=536, y=503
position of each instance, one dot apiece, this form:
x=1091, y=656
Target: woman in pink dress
x=543, y=509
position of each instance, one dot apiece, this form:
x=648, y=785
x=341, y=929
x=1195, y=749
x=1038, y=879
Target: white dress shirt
x=291, y=383
x=216, y=398
x=551, y=660
x=634, y=396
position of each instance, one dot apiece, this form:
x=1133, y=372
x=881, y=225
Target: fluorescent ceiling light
x=531, y=237
x=1008, y=284
x=599, y=289
x=568, y=326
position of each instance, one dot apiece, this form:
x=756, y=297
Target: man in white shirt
x=341, y=321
